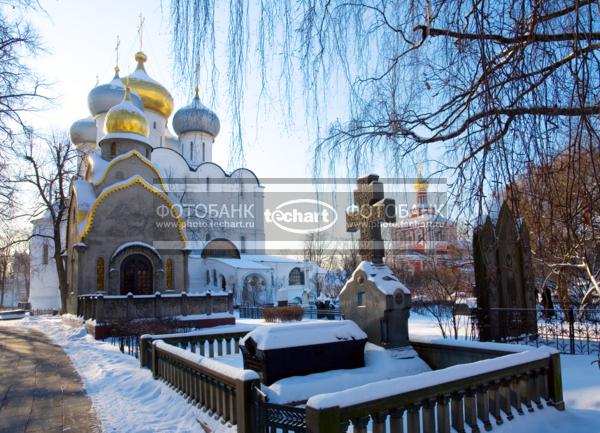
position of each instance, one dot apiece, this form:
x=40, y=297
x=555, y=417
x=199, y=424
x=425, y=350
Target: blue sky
x=80, y=38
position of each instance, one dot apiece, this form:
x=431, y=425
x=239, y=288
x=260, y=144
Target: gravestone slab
x=301, y=348
x=504, y=283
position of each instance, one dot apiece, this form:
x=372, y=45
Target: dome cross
x=140, y=30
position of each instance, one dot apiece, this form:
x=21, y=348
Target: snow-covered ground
x=581, y=385
x=127, y=399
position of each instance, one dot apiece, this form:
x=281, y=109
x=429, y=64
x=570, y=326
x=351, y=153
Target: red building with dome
x=424, y=235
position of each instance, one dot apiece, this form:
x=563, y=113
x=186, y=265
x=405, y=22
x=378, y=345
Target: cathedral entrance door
x=136, y=275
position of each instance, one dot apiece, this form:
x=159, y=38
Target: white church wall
x=156, y=128
x=44, y=292
x=196, y=271
x=100, y=132
x=197, y=147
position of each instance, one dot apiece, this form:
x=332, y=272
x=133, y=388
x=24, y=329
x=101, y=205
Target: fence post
x=323, y=420
x=157, y=302
x=183, y=304
x=129, y=306
x=555, y=382
x=244, y=407
x=144, y=341
x=154, y=364
x=99, y=308
x=209, y=304
x=571, y=319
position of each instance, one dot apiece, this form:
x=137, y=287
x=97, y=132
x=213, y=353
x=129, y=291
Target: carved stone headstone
x=504, y=283
x=373, y=297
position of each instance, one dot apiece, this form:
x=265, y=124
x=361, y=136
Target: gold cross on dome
x=141, y=30
x=117, y=51
x=369, y=211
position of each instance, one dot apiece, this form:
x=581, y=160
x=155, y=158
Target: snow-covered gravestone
x=301, y=348
x=373, y=297
x=379, y=303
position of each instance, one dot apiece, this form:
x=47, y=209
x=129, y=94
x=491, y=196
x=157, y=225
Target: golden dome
x=126, y=118
x=421, y=185
x=153, y=94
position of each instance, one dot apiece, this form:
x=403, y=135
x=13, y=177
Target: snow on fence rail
x=448, y=397
x=224, y=390
x=207, y=342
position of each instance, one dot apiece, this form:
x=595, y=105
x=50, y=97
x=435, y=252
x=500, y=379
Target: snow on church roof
x=240, y=263
x=304, y=334
x=100, y=166
x=85, y=194
x=126, y=245
x=97, y=166
x=264, y=258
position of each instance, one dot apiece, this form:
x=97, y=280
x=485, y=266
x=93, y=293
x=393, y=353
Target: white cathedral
x=150, y=211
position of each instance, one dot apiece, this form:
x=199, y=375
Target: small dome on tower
x=197, y=118
x=126, y=118
x=105, y=96
x=421, y=185
x=83, y=131
x=153, y=94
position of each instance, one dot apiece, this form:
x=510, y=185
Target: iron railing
x=571, y=331
x=256, y=312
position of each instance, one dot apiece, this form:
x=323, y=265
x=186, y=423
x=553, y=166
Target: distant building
x=44, y=293
x=423, y=236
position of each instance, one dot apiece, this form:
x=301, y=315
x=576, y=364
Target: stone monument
x=504, y=283
x=373, y=297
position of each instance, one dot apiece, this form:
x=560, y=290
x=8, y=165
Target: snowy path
x=40, y=391
x=125, y=397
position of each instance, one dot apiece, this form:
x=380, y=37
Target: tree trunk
x=60, y=269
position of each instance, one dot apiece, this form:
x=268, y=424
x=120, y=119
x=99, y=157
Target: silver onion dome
x=83, y=131
x=196, y=117
x=105, y=96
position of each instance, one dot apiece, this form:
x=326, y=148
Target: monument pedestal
x=379, y=303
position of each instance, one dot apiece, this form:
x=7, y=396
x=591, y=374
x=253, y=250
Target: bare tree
x=11, y=249
x=49, y=164
x=442, y=285
x=4, y=269
x=19, y=87
x=319, y=250
x=491, y=87
x=559, y=202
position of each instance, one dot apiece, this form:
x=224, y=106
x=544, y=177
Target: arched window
x=45, y=253
x=296, y=277
x=154, y=124
x=169, y=272
x=192, y=151
x=207, y=277
x=203, y=151
x=113, y=149
x=100, y=274
x=214, y=277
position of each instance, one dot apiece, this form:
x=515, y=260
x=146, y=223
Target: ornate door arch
x=137, y=275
